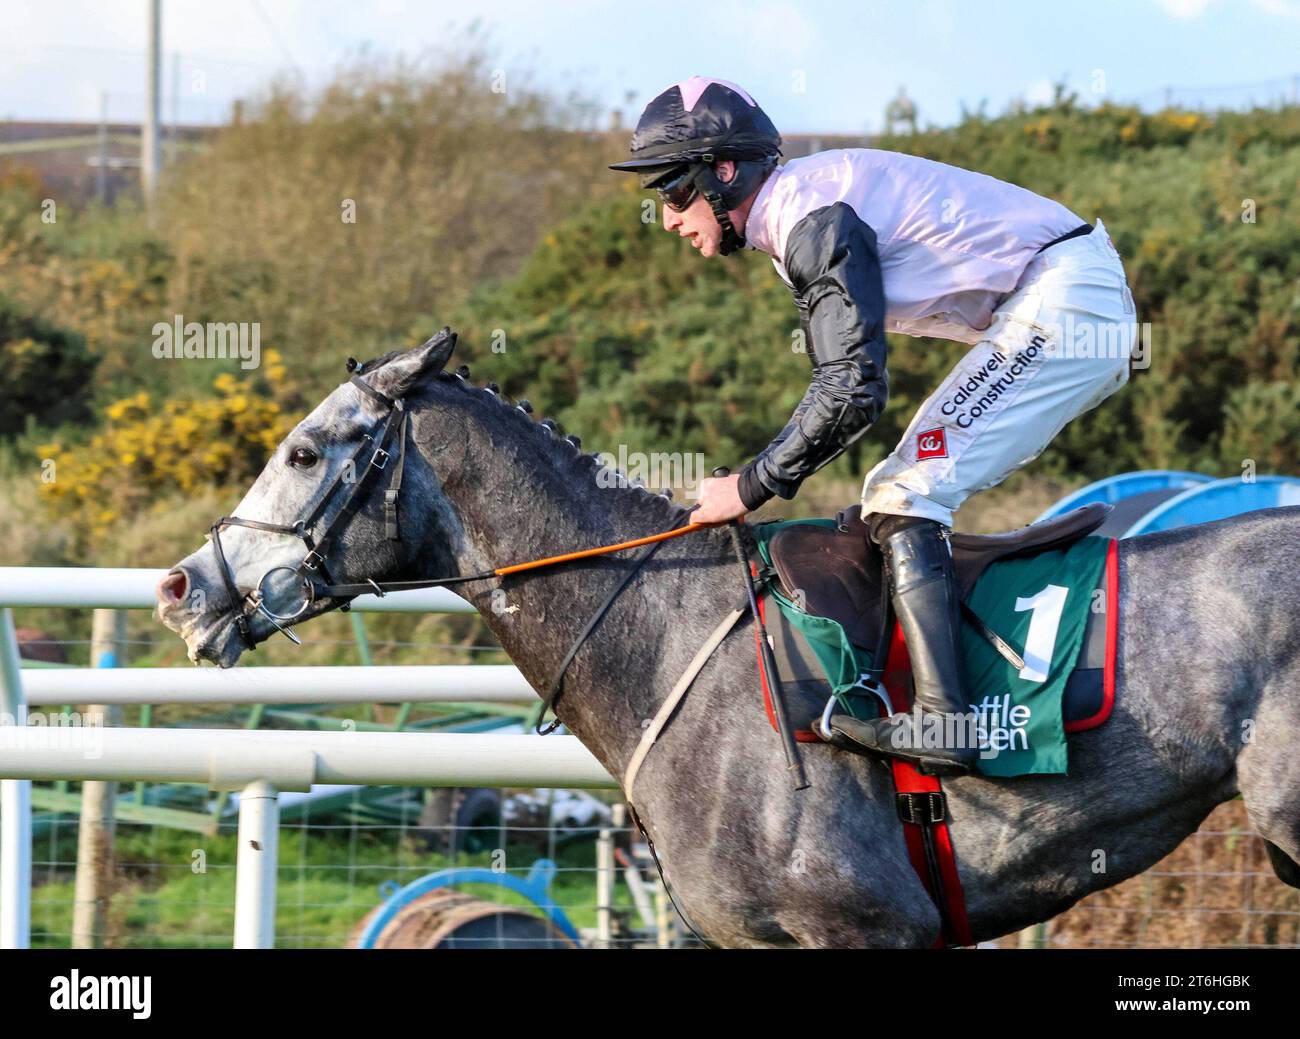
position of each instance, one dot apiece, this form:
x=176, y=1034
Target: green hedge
x=47, y=371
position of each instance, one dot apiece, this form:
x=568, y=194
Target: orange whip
x=586, y=553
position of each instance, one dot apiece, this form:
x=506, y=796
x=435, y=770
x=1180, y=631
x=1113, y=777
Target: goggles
x=679, y=191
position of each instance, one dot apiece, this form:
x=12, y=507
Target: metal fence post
x=605, y=887
x=15, y=805
x=256, y=866
x=1033, y=937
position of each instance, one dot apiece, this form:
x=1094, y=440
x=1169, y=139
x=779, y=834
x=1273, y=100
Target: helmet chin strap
x=712, y=189
x=723, y=197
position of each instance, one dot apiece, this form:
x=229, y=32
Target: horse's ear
x=404, y=372
x=436, y=352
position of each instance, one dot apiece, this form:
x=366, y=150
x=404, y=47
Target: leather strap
x=371, y=392
x=929, y=840
x=679, y=690
x=994, y=639
x=548, y=702
x=391, y=530
x=350, y=591
x=378, y=460
x=241, y=617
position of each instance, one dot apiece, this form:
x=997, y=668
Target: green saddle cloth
x=1039, y=604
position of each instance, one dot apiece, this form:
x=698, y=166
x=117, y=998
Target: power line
x=275, y=35
x=134, y=55
x=1257, y=85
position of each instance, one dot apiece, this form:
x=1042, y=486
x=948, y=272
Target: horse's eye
x=302, y=457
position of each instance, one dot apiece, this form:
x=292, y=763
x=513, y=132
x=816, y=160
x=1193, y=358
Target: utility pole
x=176, y=107
x=101, y=172
x=150, y=141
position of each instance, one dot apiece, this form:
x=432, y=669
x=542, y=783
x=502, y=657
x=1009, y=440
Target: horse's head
x=317, y=513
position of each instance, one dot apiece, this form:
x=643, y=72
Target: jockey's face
x=697, y=221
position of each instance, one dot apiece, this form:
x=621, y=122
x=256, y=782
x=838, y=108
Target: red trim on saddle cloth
x=908, y=779
x=800, y=735
x=1112, y=645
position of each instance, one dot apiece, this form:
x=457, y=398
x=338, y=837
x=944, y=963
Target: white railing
x=133, y=589
x=431, y=683
x=230, y=759
x=257, y=763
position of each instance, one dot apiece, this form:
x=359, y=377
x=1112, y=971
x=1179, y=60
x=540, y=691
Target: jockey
x=871, y=242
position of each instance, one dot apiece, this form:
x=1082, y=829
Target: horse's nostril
x=172, y=587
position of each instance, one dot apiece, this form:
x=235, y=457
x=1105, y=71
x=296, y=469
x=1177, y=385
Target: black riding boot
x=923, y=585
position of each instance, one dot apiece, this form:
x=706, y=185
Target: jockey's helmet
x=683, y=133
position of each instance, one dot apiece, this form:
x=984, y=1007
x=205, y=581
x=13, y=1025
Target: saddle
x=838, y=573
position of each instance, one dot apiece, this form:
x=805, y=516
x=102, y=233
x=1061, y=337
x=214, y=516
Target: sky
x=814, y=65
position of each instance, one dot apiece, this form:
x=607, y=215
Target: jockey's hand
x=719, y=500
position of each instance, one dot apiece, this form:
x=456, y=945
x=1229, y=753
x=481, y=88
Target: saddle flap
x=836, y=572
x=829, y=573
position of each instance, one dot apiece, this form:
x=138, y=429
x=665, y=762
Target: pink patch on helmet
x=695, y=86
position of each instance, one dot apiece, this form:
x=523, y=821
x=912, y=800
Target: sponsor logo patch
x=931, y=443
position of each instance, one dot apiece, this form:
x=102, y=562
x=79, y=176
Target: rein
x=383, y=587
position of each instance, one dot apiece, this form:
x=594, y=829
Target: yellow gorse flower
x=148, y=449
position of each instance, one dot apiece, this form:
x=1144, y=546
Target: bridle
x=318, y=544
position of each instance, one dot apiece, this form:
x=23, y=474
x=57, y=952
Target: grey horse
x=1208, y=687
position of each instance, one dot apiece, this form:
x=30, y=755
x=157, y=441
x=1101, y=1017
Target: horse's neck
x=531, y=500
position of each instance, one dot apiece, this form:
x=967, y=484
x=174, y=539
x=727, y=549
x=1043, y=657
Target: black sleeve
x=834, y=268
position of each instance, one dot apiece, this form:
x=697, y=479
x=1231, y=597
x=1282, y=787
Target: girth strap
x=922, y=807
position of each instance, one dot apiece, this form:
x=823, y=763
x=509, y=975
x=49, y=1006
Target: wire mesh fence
x=171, y=888
x=1216, y=890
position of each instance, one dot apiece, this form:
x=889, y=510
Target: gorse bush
x=450, y=174
x=334, y=220
x=148, y=450
x=96, y=273
x=490, y=210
